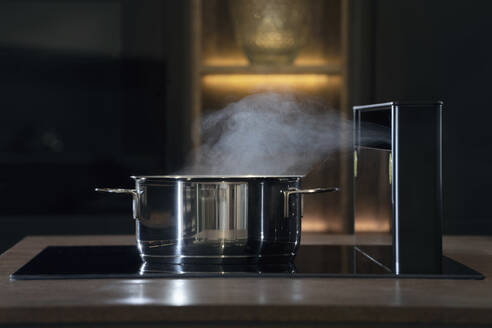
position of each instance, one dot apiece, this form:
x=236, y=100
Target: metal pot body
x=217, y=220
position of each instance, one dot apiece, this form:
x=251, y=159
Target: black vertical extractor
x=398, y=183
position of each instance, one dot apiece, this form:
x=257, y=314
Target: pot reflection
x=148, y=268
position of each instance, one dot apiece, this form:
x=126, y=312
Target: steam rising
x=269, y=134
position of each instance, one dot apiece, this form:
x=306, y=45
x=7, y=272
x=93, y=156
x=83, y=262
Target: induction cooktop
x=99, y=262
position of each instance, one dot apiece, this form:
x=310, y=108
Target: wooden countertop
x=233, y=301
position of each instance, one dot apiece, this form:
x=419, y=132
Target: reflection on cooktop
x=79, y=262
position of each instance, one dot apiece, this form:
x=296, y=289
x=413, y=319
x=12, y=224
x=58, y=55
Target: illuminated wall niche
x=221, y=73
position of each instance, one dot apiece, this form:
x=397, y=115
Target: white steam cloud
x=269, y=134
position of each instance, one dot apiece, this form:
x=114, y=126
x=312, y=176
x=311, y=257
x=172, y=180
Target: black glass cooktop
x=82, y=262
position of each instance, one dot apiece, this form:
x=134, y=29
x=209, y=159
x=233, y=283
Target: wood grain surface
x=243, y=301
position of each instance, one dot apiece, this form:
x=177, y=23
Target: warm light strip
x=300, y=61
x=312, y=61
x=367, y=224
x=321, y=224
x=269, y=81
x=325, y=225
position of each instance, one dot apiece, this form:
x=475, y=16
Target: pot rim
x=213, y=177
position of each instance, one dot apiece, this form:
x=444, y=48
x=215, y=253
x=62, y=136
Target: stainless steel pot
x=217, y=219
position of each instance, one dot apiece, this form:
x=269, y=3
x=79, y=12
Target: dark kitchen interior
x=93, y=92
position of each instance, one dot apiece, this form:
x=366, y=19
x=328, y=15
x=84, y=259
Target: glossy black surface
x=97, y=262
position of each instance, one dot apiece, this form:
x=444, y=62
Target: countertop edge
x=247, y=313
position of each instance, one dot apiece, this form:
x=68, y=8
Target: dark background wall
x=92, y=92
x=84, y=88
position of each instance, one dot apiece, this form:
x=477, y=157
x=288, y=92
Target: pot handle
x=132, y=192
x=302, y=192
